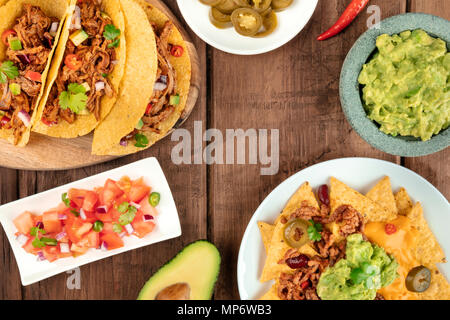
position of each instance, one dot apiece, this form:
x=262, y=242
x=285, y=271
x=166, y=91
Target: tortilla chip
x=341, y=194
x=428, y=250
x=382, y=194
x=84, y=124
x=9, y=12
x=271, y=294
x=182, y=67
x=278, y=247
x=439, y=287
x=403, y=202
x=266, y=231
x=137, y=84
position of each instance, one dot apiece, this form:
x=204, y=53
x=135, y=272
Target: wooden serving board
x=47, y=153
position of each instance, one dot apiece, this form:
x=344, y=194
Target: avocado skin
x=149, y=292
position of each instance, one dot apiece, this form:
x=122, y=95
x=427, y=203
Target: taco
x=30, y=30
x=86, y=72
x=160, y=112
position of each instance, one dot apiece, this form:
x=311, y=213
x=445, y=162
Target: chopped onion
x=62, y=217
x=24, y=59
x=163, y=79
x=64, y=248
x=122, y=234
x=40, y=225
x=83, y=214
x=102, y=209
x=76, y=19
x=159, y=86
x=99, y=86
x=54, y=29
x=147, y=217
x=104, y=246
x=25, y=117
x=22, y=239
x=60, y=235
x=129, y=228
x=123, y=142
x=41, y=256
x=134, y=204
x=114, y=62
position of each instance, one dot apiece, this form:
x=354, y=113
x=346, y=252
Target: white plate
x=290, y=22
x=167, y=222
x=360, y=174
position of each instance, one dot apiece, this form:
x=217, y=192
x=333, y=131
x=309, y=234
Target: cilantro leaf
x=8, y=70
x=314, y=231
x=37, y=243
x=75, y=212
x=123, y=207
x=35, y=231
x=49, y=241
x=65, y=199
x=117, y=228
x=141, y=140
x=128, y=216
x=114, y=44
x=111, y=32
x=74, y=98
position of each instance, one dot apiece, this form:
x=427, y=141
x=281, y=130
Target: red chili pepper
x=177, y=51
x=34, y=76
x=390, y=228
x=149, y=108
x=48, y=123
x=355, y=7
x=305, y=284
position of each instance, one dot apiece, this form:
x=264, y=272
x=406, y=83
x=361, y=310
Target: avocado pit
x=177, y=291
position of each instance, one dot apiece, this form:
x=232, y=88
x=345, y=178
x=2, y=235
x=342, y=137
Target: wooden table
x=293, y=89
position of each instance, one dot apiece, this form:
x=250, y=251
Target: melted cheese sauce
x=400, y=245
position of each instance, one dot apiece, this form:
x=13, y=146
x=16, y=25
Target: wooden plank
x=435, y=168
x=293, y=89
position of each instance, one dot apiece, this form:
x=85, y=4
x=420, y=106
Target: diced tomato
x=77, y=228
x=37, y=220
x=107, y=228
x=34, y=76
x=93, y=239
x=141, y=227
x=112, y=185
x=6, y=34
x=51, y=253
x=149, y=108
x=24, y=222
x=72, y=61
x=48, y=123
x=64, y=254
x=176, y=51
x=77, y=197
x=138, y=190
x=78, y=249
x=104, y=217
x=90, y=200
x=147, y=208
x=30, y=248
x=51, y=222
x=124, y=184
x=112, y=240
x=109, y=193
x=4, y=121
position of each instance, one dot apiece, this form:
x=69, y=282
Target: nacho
x=403, y=202
x=30, y=30
x=382, y=194
x=90, y=57
x=266, y=231
x=160, y=112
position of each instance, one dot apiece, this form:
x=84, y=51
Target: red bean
x=324, y=196
x=297, y=262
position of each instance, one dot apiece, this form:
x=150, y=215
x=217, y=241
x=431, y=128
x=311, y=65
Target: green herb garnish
x=65, y=200
x=114, y=44
x=314, y=231
x=117, y=228
x=128, y=217
x=112, y=33
x=123, y=207
x=74, y=98
x=368, y=274
x=35, y=231
x=141, y=140
x=8, y=70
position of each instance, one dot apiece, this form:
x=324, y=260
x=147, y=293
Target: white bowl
x=360, y=174
x=167, y=222
x=290, y=22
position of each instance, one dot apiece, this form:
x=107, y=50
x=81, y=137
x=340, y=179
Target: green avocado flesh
x=198, y=265
x=406, y=85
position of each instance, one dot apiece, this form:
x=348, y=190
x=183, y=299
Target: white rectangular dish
x=167, y=222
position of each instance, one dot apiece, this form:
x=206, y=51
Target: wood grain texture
x=47, y=153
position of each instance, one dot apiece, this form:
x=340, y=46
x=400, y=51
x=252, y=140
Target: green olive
x=296, y=233
x=281, y=4
x=418, y=279
x=211, y=2
x=226, y=6
x=261, y=5
x=270, y=24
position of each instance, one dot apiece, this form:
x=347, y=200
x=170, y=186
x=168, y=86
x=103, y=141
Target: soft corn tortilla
x=278, y=246
x=182, y=67
x=84, y=124
x=9, y=12
x=137, y=84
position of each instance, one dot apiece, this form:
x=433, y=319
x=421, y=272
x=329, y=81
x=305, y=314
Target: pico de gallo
x=90, y=219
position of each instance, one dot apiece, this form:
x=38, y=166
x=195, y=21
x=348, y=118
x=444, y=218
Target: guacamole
x=406, y=85
x=366, y=269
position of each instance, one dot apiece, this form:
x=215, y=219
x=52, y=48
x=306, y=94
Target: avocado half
x=198, y=265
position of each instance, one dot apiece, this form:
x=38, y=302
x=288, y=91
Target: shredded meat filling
x=32, y=29
x=96, y=61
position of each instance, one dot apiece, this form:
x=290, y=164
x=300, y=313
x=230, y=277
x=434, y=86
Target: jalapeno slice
x=281, y=4
x=270, y=24
x=418, y=279
x=242, y=3
x=226, y=6
x=261, y=5
x=219, y=20
x=211, y=2
x=246, y=21
x=296, y=233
